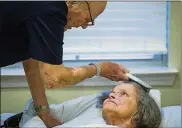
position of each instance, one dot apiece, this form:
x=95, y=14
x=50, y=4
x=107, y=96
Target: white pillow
x=34, y=122
x=156, y=95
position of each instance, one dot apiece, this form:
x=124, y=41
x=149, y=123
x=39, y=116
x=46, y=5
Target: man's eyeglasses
x=92, y=21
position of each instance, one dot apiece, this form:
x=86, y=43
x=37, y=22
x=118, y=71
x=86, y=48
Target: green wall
x=172, y=95
x=13, y=100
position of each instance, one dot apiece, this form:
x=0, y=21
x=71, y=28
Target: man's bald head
x=80, y=13
x=97, y=7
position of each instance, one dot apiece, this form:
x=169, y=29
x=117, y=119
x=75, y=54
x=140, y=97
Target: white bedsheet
x=171, y=117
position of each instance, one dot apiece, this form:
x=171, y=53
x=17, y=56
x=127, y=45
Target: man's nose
x=84, y=26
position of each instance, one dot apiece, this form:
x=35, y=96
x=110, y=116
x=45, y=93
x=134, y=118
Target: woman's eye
x=123, y=93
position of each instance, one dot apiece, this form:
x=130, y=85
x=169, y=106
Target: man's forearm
x=35, y=82
x=58, y=76
x=82, y=73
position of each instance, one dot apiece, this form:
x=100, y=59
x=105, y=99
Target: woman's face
x=121, y=102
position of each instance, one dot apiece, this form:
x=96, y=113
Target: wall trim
x=161, y=76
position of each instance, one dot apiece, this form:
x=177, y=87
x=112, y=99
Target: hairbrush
x=144, y=85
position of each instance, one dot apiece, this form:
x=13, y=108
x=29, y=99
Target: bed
x=171, y=114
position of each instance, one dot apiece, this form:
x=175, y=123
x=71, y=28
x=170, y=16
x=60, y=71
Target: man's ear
x=69, y=3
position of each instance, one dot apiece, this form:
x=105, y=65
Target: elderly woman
x=126, y=106
x=129, y=105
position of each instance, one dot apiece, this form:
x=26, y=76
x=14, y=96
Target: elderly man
x=126, y=106
x=33, y=31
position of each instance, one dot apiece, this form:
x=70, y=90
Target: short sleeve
x=45, y=37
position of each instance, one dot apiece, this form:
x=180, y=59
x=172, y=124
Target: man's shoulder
x=14, y=12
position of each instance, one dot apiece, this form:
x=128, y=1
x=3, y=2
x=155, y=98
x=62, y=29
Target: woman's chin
x=109, y=108
x=109, y=114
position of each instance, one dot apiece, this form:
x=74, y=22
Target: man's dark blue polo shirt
x=32, y=29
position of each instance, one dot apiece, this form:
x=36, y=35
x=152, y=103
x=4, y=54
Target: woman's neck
x=118, y=121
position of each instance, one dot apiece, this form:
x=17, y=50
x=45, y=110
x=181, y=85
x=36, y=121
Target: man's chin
x=67, y=27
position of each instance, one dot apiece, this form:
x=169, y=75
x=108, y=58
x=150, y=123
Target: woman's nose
x=112, y=96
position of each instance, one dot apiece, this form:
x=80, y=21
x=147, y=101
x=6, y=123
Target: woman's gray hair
x=148, y=113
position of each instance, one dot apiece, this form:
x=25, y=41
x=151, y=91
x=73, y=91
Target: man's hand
x=113, y=71
x=48, y=119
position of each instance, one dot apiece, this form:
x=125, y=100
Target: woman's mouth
x=111, y=102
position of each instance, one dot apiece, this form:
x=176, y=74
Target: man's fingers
x=125, y=70
x=123, y=76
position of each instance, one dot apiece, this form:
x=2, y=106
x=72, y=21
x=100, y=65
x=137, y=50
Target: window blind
x=125, y=30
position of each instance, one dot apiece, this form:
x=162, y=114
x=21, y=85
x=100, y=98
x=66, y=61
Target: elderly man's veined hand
x=113, y=71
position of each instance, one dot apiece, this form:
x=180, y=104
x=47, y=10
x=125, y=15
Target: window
x=125, y=31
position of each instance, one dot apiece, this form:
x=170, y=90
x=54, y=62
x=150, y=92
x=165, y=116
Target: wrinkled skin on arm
x=59, y=76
